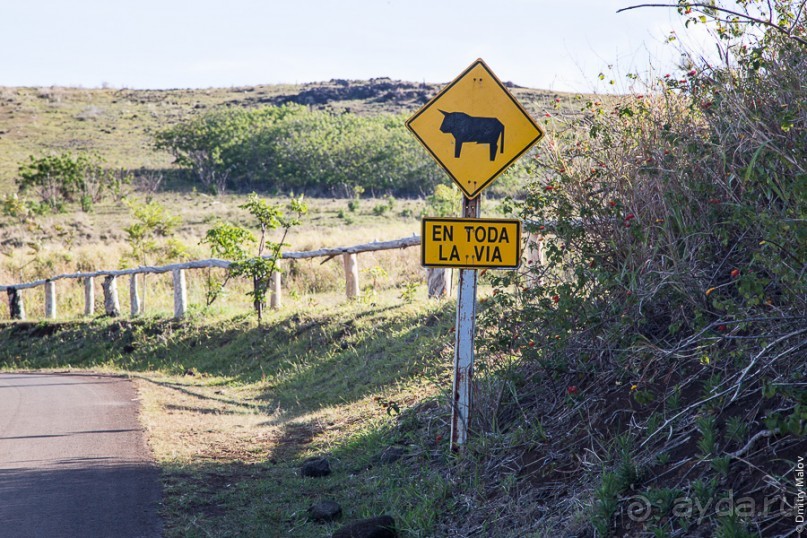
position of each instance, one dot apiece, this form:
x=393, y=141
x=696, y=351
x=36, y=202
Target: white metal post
x=465, y=330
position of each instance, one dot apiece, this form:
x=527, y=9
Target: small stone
x=316, y=467
x=325, y=511
x=391, y=454
x=375, y=527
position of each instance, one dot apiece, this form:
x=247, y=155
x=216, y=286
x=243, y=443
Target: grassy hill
x=118, y=123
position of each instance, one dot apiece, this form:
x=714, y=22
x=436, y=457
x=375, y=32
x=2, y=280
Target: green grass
x=249, y=403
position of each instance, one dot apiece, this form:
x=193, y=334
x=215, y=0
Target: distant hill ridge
x=118, y=122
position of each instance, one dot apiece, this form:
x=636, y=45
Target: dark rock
x=392, y=454
x=325, y=511
x=316, y=467
x=375, y=527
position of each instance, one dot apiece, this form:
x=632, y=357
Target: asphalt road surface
x=73, y=459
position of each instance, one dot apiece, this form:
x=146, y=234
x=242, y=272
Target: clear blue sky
x=560, y=45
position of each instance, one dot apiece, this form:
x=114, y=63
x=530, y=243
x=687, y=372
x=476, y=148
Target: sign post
x=464, y=332
x=475, y=129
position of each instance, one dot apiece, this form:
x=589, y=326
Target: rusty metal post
x=465, y=330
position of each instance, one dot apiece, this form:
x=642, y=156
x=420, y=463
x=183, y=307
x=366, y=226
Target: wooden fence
x=438, y=280
x=110, y=288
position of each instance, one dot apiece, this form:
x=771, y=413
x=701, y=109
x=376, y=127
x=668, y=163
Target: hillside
x=119, y=123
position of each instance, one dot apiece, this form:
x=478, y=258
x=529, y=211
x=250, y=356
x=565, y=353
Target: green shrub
x=292, y=148
x=64, y=178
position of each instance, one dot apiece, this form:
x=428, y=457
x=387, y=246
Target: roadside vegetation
x=666, y=373
x=646, y=379
x=233, y=408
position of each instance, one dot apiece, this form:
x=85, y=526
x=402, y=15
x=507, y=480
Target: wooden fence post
x=535, y=259
x=16, y=309
x=50, y=299
x=351, y=275
x=89, y=296
x=180, y=294
x=439, y=282
x=134, y=297
x=276, y=301
x=111, y=303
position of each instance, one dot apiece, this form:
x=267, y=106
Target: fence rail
x=111, y=303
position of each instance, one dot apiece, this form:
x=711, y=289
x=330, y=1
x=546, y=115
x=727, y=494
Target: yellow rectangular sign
x=471, y=243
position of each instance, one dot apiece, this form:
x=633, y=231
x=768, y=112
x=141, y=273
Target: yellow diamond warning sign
x=475, y=128
x=471, y=243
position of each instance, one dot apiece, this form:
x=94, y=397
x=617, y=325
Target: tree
x=66, y=178
x=219, y=144
x=229, y=240
x=786, y=18
x=149, y=236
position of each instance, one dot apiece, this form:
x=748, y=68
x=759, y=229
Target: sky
x=561, y=45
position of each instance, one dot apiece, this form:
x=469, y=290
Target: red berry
x=735, y=273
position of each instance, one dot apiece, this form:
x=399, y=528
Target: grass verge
x=233, y=409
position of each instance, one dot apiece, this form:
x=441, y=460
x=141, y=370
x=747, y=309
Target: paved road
x=73, y=461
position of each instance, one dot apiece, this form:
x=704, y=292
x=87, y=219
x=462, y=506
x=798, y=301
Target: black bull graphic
x=467, y=128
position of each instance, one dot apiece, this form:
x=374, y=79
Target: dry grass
x=66, y=243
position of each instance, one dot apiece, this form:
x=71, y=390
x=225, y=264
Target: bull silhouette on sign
x=467, y=128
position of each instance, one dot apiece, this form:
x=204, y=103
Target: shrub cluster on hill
x=290, y=148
